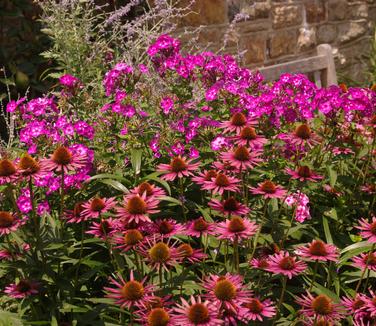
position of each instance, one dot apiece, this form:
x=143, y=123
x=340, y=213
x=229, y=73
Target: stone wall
x=273, y=31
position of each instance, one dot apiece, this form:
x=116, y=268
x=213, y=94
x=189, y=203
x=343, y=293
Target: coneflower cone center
x=78, y=208
x=263, y=263
x=241, y=154
x=165, y=227
x=23, y=286
x=230, y=204
x=210, y=174
x=198, y=314
x=322, y=305
x=221, y=180
x=185, y=250
x=160, y=252
x=357, y=304
x=268, y=187
x=132, y=237
x=6, y=219
x=238, y=119
x=62, y=156
x=303, y=132
x=97, y=205
x=287, y=263
x=132, y=291
x=7, y=168
x=370, y=259
x=236, y=224
x=225, y=290
x=304, y=171
x=254, y=306
x=136, y=205
x=323, y=322
x=373, y=228
x=317, y=248
x=200, y=225
x=145, y=187
x=178, y=165
x=158, y=317
x=155, y=302
x=106, y=227
x=28, y=163
x=248, y=133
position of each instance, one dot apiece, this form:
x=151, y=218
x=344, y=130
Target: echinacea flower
x=368, y=229
x=199, y=227
x=229, y=206
x=268, y=189
x=236, y=123
x=9, y=222
x=283, y=263
x=179, y=167
x=321, y=307
x=8, y=171
x=30, y=167
x=63, y=159
x=97, y=206
x=165, y=228
x=222, y=183
x=137, y=208
x=304, y=173
x=158, y=254
x=255, y=309
x=366, y=261
x=301, y=136
x=22, y=289
x=259, y=263
x=354, y=305
x=226, y=291
x=204, y=176
x=129, y=239
x=149, y=189
x=105, y=228
x=197, y=312
x=318, y=250
x=75, y=215
x=248, y=137
x=236, y=229
x=187, y=253
x=242, y=158
x=370, y=305
x=129, y=293
x=157, y=317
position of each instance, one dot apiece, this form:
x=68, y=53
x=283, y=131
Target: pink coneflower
x=31, y=168
x=366, y=260
x=179, y=167
x=8, y=171
x=222, y=182
x=75, y=215
x=63, y=159
x=248, y=137
x=97, y=206
x=226, y=291
x=137, y=208
x=283, y=263
x=225, y=166
x=130, y=239
x=259, y=263
x=318, y=250
x=157, y=317
x=22, y=289
x=229, y=206
x=255, y=309
x=304, y=173
x=320, y=307
x=105, y=228
x=235, y=124
x=231, y=317
x=236, y=228
x=204, y=176
x=9, y=222
x=149, y=189
x=368, y=229
x=354, y=305
x=370, y=305
x=165, y=228
x=368, y=188
x=269, y=189
x=301, y=136
x=129, y=293
x=199, y=227
x=187, y=253
x=158, y=254
x=197, y=312
x=242, y=158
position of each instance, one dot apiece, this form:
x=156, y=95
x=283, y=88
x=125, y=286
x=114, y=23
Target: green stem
x=284, y=283
x=80, y=256
x=314, y=275
x=365, y=268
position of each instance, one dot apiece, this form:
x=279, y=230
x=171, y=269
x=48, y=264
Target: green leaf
x=319, y=289
x=116, y=185
x=107, y=176
x=328, y=235
x=332, y=176
x=171, y=200
x=136, y=160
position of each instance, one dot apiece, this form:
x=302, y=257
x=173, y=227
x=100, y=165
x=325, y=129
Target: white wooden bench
x=320, y=68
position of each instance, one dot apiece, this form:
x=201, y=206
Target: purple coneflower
x=368, y=229
x=283, y=263
x=268, y=189
x=229, y=206
x=97, y=206
x=22, y=289
x=304, y=173
x=179, y=167
x=236, y=228
x=9, y=222
x=318, y=250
